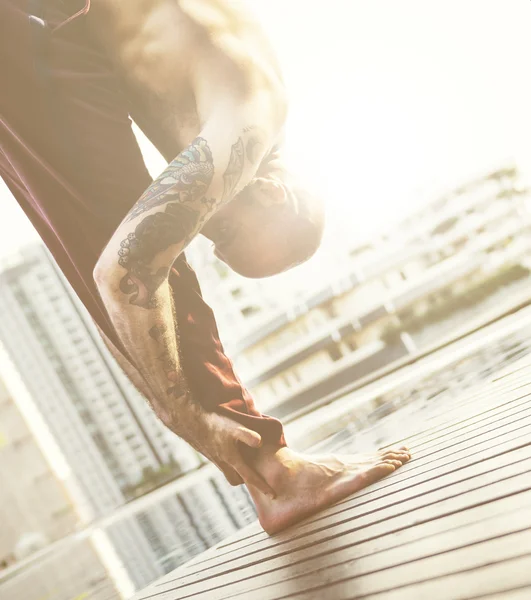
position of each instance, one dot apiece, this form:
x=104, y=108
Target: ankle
x=277, y=465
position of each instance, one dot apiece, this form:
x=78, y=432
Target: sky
x=390, y=102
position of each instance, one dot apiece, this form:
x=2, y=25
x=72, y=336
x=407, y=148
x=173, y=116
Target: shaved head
x=268, y=228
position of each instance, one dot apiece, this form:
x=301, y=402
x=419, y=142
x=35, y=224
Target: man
x=200, y=79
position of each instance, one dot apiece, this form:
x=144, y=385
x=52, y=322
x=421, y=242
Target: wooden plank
x=365, y=528
x=411, y=576
x=466, y=585
x=523, y=593
x=437, y=469
x=472, y=446
x=386, y=490
x=453, y=521
x=479, y=514
x=348, y=580
x=403, y=536
x=375, y=491
x=517, y=405
x=267, y=585
x=491, y=415
x=456, y=437
x=518, y=417
x=457, y=517
x=336, y=515
x=455, y=415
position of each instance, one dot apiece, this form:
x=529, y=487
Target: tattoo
x=154, y=234
x=180, y=190
x=234, y=169
x=186, y=179
x=169, y=362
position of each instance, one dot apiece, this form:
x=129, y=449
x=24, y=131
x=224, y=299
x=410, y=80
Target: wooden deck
x=454, y=523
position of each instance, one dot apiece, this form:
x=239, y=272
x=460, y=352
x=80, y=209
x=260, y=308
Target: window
x=286, y=381
x=248, y=311
x=330, y=310
x=351, y=345
x=334, y=352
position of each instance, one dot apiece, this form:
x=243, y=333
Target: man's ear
x=269, y=192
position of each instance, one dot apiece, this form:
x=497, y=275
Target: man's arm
x=132, y=272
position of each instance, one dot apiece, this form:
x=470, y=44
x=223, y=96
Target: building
x=106, y=432
x=381, y=301
x=103, y=426
x=33, y=504
x=35, y=511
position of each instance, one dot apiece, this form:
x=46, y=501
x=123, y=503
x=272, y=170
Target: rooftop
x=455, y=522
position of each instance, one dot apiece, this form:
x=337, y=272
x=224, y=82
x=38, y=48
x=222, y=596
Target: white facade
x=105, y=430
x=36, y=511
x=327, y=317
x=103, y=426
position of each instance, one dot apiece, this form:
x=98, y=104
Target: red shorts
x=69, y=156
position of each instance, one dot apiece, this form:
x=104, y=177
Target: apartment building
x=103, y=426
x=35, y=511
x=106, y=433
x=324, y=338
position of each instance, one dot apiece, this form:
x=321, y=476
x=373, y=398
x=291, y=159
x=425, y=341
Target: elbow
x=105, y=274
x=109, y=284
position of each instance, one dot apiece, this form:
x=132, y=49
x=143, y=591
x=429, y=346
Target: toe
x=403, y=457
x=400, y=456
x=396, y=463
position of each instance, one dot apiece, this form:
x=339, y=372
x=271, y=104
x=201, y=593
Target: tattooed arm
x=132, y=272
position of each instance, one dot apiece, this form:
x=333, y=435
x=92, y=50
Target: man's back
x=182, y=60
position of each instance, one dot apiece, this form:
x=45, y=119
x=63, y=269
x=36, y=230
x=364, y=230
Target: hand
x=219, y=439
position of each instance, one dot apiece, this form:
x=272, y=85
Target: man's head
x=267, y=228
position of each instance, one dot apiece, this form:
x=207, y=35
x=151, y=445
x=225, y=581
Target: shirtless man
x=200, y=79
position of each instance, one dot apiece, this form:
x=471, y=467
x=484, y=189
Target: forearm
x=150, y=339
x=132, y=272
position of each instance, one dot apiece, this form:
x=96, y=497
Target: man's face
x=267, y=229
x=252, y=231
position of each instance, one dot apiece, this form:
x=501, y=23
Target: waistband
x=37, y=15
x=80, y=12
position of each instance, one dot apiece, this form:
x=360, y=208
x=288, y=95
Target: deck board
x=454, y=523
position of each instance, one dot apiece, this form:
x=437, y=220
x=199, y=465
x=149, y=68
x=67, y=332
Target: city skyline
x=302, y=348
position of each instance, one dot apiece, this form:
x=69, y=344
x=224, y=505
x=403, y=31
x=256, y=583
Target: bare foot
x=307, y=484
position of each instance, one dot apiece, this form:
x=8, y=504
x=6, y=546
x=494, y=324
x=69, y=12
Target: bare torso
x=181, y=59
